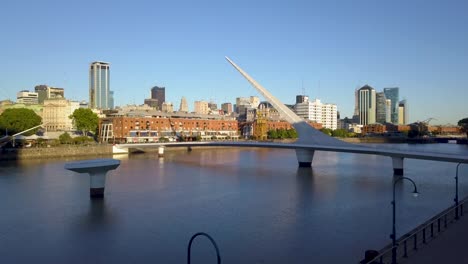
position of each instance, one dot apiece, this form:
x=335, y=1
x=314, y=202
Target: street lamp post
x=393, y=235
x=456, y=192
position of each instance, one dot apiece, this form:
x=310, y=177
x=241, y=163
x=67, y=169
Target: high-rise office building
x=99, y=86
x=403, y=112
x=382, y=110
x=159, y=93
x=393, y=95
x=47, y=92
x=367, y=105
x=183, y=105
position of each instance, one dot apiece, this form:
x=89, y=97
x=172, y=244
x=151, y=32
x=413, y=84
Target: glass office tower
x=393, y=95
x=99, y=93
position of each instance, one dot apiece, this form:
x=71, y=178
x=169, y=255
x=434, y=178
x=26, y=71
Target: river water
x=256, y=204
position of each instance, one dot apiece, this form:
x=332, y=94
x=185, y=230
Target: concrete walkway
x=450, y=246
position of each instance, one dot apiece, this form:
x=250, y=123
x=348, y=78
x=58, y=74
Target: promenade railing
x=408, y=244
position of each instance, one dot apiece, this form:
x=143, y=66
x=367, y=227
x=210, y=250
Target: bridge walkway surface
x=449, y=246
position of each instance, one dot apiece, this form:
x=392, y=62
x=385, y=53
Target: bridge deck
x=350, y=148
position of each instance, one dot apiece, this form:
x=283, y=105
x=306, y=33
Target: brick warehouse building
x=150, y=129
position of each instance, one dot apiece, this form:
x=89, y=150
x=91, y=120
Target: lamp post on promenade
x=456, y=192
x=393, y=235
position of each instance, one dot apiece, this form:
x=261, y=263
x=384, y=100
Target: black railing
x=415, y=239
x=189, y=248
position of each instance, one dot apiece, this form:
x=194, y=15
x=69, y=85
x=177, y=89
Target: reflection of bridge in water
x=310, y=140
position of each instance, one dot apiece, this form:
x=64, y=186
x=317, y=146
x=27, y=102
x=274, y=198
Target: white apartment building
x=56, y=112
x=325, y=114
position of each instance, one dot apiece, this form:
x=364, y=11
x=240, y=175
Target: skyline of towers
x=100, y=96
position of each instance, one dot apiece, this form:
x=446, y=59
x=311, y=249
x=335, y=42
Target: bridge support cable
x=189, y=248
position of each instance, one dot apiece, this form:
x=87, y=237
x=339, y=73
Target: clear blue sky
x=332, y=47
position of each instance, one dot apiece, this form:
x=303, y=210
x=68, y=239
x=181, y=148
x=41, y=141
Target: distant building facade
x=383, y=108
x=366, y=105
x=46, y=92
x=151, y=129
x=151, y=102
x=403, y=113
x=26, y=97
x=100, y=96
x=301, y=99
x=212, y=106
x=167, y=107
x=183, y=105
x=159, y=93
x=393, y=95
x=325, y=114
x=227, y=108
x=201, y=107
x=56, y=112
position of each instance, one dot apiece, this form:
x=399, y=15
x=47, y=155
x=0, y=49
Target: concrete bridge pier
x=161, y=151
x=397, y=166
x=97, y=170
x=117, y=150
x=304, y=157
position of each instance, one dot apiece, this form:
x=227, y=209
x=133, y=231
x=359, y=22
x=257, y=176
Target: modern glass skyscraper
x=99, y=92
x=367, y=105
x=393, y=95
x=382, y=109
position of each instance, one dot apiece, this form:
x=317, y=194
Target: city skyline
x=333, y=49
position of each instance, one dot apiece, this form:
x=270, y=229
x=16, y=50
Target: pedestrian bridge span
x=305, y=152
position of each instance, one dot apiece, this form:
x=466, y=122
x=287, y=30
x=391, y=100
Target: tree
x=292, y=133
x=326, y=131
x=342, y=133
x=15, y=120
x=272, y=134
x=85, y=120
x=464, y=125
x=65, y=138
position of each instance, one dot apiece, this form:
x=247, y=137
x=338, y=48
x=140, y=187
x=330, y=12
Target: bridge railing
x=408, y=244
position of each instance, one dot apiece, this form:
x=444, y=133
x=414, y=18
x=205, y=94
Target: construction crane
x=423, y=126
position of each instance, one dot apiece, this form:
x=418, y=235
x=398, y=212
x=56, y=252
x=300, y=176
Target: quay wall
x=55, y=152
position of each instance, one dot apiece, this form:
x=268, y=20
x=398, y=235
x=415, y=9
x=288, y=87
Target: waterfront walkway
x=448, y=247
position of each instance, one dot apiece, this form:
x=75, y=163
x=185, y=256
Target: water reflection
x=97, y=217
